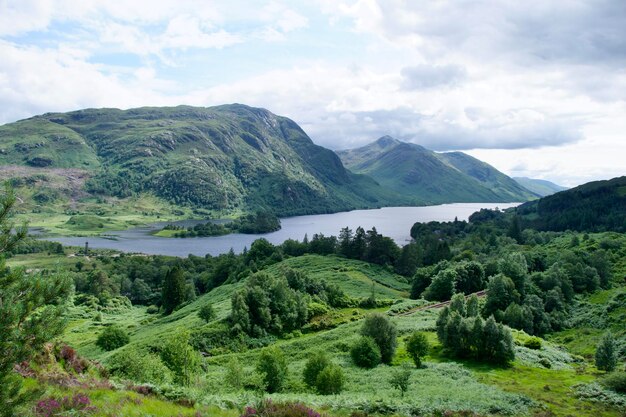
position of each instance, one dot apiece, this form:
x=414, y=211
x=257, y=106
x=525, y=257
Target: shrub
x=330, y=380
x=180, y=358
x=616, y=381
x=400, y=380
x=365, y=353
x=206, y=312
x=314, y=366
x=533, y=343
x=112, y=338
x=606, y=353
x=139, y=367
x=152, y=309
x=383, y=332
x=273, y=367
x=417, y=347
x=79, y=404
x=268, y=408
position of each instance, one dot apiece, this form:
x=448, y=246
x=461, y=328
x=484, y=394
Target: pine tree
x=31, y=308
x=173, y=290
x=606, y=353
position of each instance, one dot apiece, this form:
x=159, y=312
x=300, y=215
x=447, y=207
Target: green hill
x=540, y=187
x=227, y=159
x=595, y=206
x=430, y=177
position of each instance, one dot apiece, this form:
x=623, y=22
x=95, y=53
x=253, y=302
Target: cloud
x=428, y=76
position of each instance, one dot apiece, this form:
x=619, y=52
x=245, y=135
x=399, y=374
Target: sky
x=535, y=88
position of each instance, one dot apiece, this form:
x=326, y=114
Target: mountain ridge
x=431, y=177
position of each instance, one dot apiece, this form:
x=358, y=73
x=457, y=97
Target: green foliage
x=268, y=305
x=31, y=310
x=314, y=365
x=500, y=293
x=173, y=293
x=616, y=381
x=365, y=353
x=467, y=336
x=180, y=357
x=111, y=338
x=417, y=347
x=383, y=332
x=533, y=343
x=140, y=367
x=272, y=365
x=400, y=380
x=234, y=374
x=442, y=286
x=330, y=380
x=606, y=353
x=207, y=312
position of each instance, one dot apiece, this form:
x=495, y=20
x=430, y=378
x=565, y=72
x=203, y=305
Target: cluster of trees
x=464, y=333
x=260, y=222
x=280, y=304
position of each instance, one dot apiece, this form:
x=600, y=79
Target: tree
x=417, y=347
x=472, y=306
x=314, y=365
x=365, y=353
x=500, y=293
x=111, y=338
x=442, y=287
x=234, y=374
x=384, y=332
x=181, y=358
x=31, y=310
x=173, y=289
x=207, y=312
x=273, y=368
x=330, y=380
x=400, y=379
x=606, y=353
x=409, y=260
x=515, y=231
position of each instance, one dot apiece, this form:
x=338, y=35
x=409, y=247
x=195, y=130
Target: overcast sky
x=535, y=88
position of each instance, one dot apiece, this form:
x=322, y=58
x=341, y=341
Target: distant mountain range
x=540, y=187
x=432, y=177
x=229, y=159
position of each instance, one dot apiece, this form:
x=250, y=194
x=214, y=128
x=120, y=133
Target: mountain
x=431, y=177
x=229, y=158
x=595, y=206
x=540, y=187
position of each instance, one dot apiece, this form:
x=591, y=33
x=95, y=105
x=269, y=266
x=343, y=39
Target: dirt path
x=438, y=305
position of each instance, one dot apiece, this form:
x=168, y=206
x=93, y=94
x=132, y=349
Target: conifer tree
x=606, y=353
x=173, y=290
x=31, y=308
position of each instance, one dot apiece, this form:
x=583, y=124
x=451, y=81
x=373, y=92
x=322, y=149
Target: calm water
x=394, y=222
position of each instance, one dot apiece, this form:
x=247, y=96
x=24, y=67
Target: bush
x=112, y=338
x=330, y=380
x=273, y=367
x=383, y=332
x=268, y=408
x=616, y=381
x=533, y=343
x=206, y=312
x=152, y=309
x=400, y=380
x=313, y=367
x=139, y=367
x=180, y=358
x=365, y=353
x=417, y=347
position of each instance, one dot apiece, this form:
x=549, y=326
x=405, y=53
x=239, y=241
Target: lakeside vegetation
x=346, y=324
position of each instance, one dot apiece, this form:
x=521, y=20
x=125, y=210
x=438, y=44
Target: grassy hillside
x=541, y=187
x=432, y=178
x=222, y=160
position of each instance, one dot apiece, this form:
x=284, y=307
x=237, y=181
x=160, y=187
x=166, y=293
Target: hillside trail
x=438, y=305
